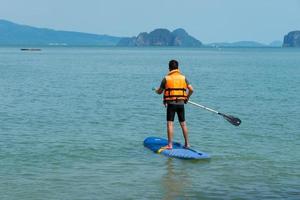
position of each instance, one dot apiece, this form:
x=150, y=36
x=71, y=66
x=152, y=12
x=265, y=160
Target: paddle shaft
x=204, y=107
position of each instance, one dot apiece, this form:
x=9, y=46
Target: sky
x=207, y=20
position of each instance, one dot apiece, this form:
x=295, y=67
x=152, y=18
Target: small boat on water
x=31, y=49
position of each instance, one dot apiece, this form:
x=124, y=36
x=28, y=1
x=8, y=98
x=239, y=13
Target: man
x=175, y=86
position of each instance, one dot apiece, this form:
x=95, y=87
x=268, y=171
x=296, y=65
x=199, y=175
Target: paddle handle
x=204, y=107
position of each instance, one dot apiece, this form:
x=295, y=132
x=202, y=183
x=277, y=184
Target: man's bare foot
x=168, y=147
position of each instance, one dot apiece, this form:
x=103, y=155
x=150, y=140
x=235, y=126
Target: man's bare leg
x=185, y=134
x=170, y=129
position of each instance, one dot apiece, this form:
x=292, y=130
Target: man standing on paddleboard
x=175, y=86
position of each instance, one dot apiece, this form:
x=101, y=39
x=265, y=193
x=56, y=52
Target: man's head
x=173, y=64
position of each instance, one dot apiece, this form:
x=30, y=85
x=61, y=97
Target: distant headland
x=12, y=34
x=16, y=34
x=292, y=39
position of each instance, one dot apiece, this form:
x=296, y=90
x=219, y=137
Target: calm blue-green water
x=72, y=123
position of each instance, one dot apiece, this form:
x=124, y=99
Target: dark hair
x=173, y=64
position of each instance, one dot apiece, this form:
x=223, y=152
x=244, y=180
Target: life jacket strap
x=169, y=89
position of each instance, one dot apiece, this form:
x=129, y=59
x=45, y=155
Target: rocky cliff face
x=162, y=37
x=292, y=39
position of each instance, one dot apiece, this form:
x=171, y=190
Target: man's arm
x=159, y=90
x=191, y=90
x=162, y=87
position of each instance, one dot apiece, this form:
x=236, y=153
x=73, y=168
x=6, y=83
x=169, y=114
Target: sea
x=73, y=121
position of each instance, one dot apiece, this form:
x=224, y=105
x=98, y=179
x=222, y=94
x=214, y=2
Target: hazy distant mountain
x=237, y=44
x=292, y=39
x=15, y=34
x=162, y=37
x=276, y=43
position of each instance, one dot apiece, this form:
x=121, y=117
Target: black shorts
x=175, y=108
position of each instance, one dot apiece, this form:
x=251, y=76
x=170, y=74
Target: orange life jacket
x=175, y=87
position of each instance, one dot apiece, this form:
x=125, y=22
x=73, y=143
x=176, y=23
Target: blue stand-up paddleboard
x=157, y=145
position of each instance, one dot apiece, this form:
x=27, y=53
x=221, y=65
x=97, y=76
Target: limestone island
x=161, y=37
x=292, y=39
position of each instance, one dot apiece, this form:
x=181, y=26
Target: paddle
x=231, y=119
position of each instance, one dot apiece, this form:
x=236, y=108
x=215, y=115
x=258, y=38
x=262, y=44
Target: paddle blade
x=231, y=119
